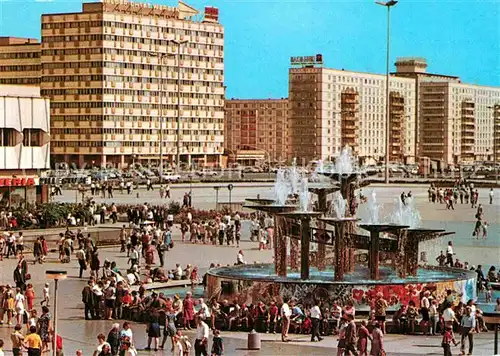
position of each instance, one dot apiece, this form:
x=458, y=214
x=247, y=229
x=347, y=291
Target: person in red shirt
x=272, y=318
x=59, y=343
x=448, y=338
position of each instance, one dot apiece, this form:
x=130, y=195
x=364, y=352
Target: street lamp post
x=56, y=276
x=230, y=189
x=387, y=4
x=178, y=58
x=216, y=188
x=496, y=121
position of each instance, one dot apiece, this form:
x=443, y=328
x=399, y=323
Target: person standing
x=82, y=261
x=17, y=340
x=380, y=310
x=316, y=319
x=449, y=254
x=201, y=342
x=217, y=344
x=33, y=342
x=286, y=313
x=377, y=341
x=448, y=338
x=468, y=325
x=491, y=194
x=351, y=336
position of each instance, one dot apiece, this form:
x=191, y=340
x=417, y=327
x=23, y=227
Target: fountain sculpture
x=336, y=270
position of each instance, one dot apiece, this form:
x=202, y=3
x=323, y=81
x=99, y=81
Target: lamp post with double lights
x=178, y=59
x=387, y=4
x=496, y=136
x=56, y=276
x=161, y=58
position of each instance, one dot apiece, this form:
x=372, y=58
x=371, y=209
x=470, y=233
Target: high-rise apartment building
x=256, y=130
x=331, y=109
x=455, y=121
x=20, y=61
x=113, y=72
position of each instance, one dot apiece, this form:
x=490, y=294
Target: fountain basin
x=258, y=282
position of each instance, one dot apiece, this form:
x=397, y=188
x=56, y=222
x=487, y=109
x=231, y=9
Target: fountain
x=346, y=277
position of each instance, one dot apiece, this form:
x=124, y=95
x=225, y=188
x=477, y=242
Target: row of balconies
x=135, y=137
x=169, y=87
x=158, y=35
x=132, y=150
x=158, y=74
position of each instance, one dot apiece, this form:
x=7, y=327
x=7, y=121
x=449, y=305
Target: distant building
x=330, y=109
x=256, y=131
x=110, y=69
x=20, y=61
x=431, y=115
x=455, y=121
x=24, y=144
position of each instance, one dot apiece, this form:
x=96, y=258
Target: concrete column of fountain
x=341, y=244
x=322, y=191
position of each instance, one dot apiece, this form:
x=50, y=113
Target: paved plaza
x=80, y=334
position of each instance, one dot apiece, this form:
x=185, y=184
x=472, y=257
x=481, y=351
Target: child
x=448, y=338
x=412, y=314
x=184, y=340
x=217, y=344
x=30, y=296
x=487, y=294
x=485, y=230
x=46, y=296
x=363, y=336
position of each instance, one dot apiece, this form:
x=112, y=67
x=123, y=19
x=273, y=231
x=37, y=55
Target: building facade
x=20, y=61
x=118, y=72
x=256, y=131
x=330, y=109
x=455, y=121
x=24, y=144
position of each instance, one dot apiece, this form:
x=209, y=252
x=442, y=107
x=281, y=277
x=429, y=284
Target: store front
x=18, y=191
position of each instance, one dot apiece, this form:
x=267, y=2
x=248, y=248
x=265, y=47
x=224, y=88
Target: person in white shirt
x=101, y=338
x=316, y=319
x=240, y=260
x=201, y=342
x=204, y=311
x=286, y=313
x=19, y=243
x=449, y=316
x=19, y=305
x=46, y=295
x=449, y=254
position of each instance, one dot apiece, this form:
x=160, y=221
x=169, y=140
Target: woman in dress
x=44, y=327
x=30, y=296
x=170, y=330
x=377, y=341
x=149, y=254
x=188, y=310
x=363, y=336
x=153, y=330
x=341, y=343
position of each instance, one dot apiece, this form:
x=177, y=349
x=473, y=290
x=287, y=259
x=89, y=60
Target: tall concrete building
x=331, y=109
x=455, y=121
x=256, y=130
x=113, y=71
x=20, y=61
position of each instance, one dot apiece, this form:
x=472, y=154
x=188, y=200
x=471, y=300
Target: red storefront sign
x=17, y=182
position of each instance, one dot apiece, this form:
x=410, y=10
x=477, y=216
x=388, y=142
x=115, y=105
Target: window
x=7, y=137
x=32, y=137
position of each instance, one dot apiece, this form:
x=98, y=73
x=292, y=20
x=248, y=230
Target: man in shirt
x=468, y=324
x=82, y=262
x=380, y=311
x=315, y=318
x=17, y=340
x=449, y=254
x=286, y=313
x=351, y=336
x=449, y=316
x=33, y=342
x=200, y=345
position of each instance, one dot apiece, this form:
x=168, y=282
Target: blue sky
x=460, y=37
